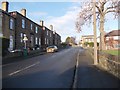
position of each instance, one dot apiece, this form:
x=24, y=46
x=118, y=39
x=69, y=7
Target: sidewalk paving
x=19, y=58
x=90, y=76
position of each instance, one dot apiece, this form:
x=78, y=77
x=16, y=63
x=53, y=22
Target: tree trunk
x=102, y=33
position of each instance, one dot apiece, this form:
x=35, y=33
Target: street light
x=25, y=39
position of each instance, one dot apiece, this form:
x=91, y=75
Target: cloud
x=37, y=14
x=45, y=0
x=64, y=25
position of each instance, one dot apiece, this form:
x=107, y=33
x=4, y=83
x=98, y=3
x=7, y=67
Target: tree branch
x=109, y=9
x=99, y=9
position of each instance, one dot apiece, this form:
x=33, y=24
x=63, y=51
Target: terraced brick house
x=16, y=26
x=112, y=40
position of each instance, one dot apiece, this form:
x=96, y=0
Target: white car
x=52, y=49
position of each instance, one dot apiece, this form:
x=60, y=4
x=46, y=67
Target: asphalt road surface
x=52, y=70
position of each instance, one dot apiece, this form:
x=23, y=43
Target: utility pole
x=94, y=30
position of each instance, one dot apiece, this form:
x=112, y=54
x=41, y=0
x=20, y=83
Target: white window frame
x=47, y=32
x=21, y=36
x=11, y=42
x=31, y=26
x=23, y=23
x=50, y=34
x=39, y=41
x=36, y=29
x=36, y=40
x=11, y=24
x=45, y=40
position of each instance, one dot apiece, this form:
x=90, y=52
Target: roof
x=24, y=17
x=113, y=33
x=88, y=36
x=7, y=13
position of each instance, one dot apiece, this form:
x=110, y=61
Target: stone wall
x=111, y=63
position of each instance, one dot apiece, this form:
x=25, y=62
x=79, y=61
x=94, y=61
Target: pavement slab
x=90, y=76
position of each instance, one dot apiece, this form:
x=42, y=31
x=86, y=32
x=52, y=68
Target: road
x=52, y=70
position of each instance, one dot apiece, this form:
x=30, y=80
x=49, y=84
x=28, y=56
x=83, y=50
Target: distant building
x=56, y=39
x=87, y=38
x=112, y=40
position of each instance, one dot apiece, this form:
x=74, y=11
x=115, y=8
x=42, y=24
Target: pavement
x=20, y=58
x=91, y=76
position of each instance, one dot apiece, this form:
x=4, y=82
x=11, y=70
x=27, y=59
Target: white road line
x=76, y=73
x=23, y=69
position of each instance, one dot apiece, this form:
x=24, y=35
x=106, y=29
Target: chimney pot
x=51, y=27
x=5, y=5
x=23, y=12
x=41, y=23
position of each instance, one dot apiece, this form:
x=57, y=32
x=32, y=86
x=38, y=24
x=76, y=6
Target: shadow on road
x=40, y=79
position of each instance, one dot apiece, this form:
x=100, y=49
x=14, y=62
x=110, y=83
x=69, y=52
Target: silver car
x=52, y=49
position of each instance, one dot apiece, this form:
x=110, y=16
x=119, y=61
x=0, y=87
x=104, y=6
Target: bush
x=91, y=44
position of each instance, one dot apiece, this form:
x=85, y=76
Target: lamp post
x=94, y=30
x=25, y=39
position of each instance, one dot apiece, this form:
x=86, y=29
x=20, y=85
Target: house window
x=36, y=40
x=23, y=23
x=36, y=29
x=21, y=36
x=39, y=41
x=45, y=40
x=31, y=27
x=50, y=34
x=11, y=23
x=47, y=32
x=11, y=43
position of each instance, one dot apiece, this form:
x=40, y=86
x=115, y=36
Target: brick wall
x=110, y=63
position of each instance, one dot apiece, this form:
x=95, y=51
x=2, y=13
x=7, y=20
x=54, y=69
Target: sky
x=62, y=15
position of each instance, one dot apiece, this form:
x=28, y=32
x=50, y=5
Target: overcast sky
x=61, y=15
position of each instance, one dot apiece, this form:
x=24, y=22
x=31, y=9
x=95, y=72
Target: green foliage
x=68, y=40
x=90, y=44
x=63, y=44
x=86, y=43
x=112, y=52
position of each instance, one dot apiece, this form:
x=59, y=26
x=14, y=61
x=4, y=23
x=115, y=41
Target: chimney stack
x=5, y=5
x=23, y=12
x=51, y=27
x=41, y=23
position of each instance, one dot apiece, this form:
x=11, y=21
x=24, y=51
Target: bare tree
x=103, y=7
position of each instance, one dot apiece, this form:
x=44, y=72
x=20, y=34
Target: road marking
x=23, y=69
x=76, y=72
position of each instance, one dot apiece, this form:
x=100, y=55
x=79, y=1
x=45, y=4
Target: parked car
x=52, y=49
x=16, y=50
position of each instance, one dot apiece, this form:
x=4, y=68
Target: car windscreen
x=51, y=47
